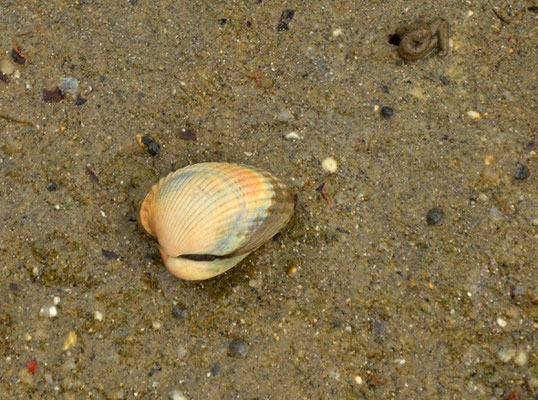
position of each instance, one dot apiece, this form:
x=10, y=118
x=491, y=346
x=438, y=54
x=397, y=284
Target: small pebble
x=387, y=112
x=53, y=186
x=25, y=376
x=443, y=79
x=522, y=172
x=329, y=165
x=48, y=311
x=7, y=67
x=358, y=380
x=292, y=136
x=179, y=312
x=435, y=216
x=337, y=32
x=473, y=115
x=177, y=395
x=69, y=86
x=483, y=197
x=238, y=347
x=70, y=341
x=506, y=355
x=284, y=116
x=98, y=315
x=521, y=358
x=501, y=322
x=156, y=325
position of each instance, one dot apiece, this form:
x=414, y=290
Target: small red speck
x=31, y=366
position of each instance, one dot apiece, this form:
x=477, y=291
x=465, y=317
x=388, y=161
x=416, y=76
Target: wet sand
x=363, y=298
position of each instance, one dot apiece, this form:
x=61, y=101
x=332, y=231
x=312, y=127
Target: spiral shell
x=207, y=217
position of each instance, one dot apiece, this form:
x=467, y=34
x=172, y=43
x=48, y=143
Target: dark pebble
x=384, y=88
x=387, y=112
x=187, y=134
x=53, y=186
x=522, y=172
x=179, y=312
x=399, y=63
x=109, y=254
x=80, y=101
x=443, y=79
x=222, y=21
x=435, y=216
x=285, y=19
x=238, y=348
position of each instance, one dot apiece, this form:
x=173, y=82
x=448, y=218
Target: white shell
x=207, y=217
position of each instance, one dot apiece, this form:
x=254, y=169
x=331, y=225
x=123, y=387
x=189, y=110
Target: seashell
x=207, y=217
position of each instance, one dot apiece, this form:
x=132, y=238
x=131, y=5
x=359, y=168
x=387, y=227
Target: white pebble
x=337, y=32
x=473, y=114
x=156, y=325
x=506, y=355
x=483, y=197
x=292, y=136
x=521, y=358
x=177, y=395
x=98, y=315
x=330, y=165
x=49, y=312
x=56, y=300
x=501, y=322
x=248, y=153
x=348, y=329
x=358, y=380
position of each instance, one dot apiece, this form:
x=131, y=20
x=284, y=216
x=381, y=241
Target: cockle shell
x=207, y=217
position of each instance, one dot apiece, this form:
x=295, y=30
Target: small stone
x=501, y=322
x=284, y=116
x=473, y=115
x=255, y=283
x=56, y=300
x=53, y=186
x=48, y=311
x=521, y=358
x=70, y=341
x=329, y=165
x=98, y=315
x=156, y=325
x=435, y=216
x=337, y=32
x=387, y=112
x=292, y=136
x=522, y=172
x=506, y=355
x=69, y=87
x=358, y=380
x=483, y=197
x=80, y=101
x=177, y=395
x=7, y=67
x=179, y=312
x=188, y=134
x=25, y=376
x=238, y=348
x=443, y=79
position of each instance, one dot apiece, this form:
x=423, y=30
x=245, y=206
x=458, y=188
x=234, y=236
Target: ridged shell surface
x=207, y=217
